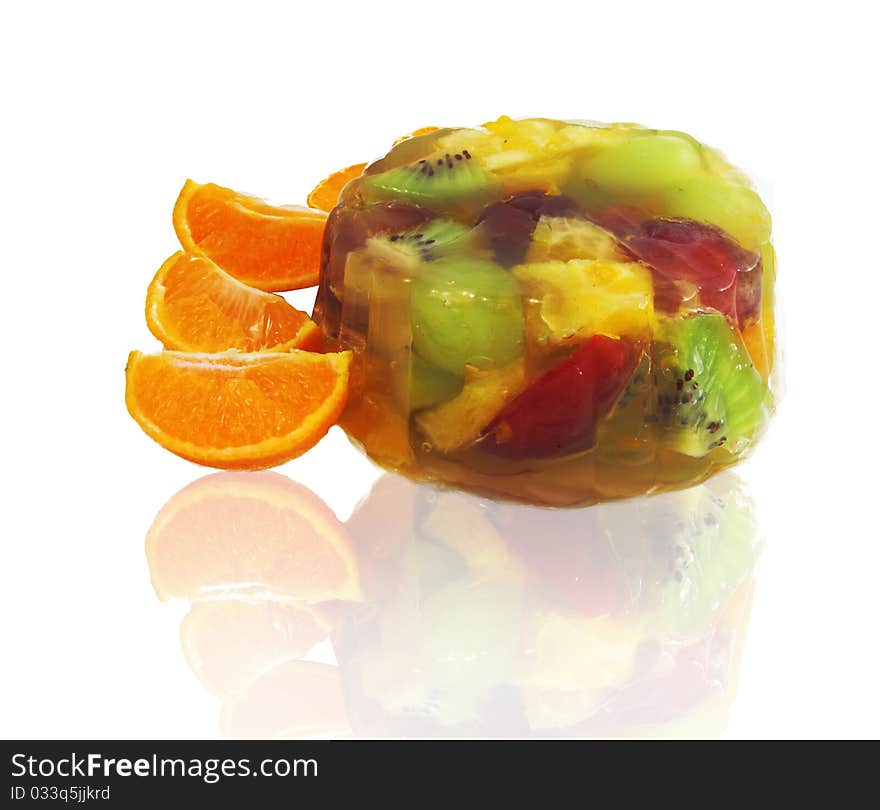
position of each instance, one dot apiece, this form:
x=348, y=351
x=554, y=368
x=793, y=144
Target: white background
x=107, y=109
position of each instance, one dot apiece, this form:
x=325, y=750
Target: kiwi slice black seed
x=408, y=251
x=708, y=392
x=437, y=180
x=437, y=238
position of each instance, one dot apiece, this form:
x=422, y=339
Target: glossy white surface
x=108, y=111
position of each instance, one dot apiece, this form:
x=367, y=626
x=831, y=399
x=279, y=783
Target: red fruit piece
x=681, y=250
x=559, y=412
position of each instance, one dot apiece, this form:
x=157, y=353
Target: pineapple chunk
x=563, y=239
x=458, y=422
x=584, y=297
x=529, y=154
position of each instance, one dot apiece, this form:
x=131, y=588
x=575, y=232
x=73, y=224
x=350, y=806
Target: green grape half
x=466, y=311
x=645, y=164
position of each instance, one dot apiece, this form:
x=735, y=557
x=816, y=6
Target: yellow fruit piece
x=563, y=239
x=585, y=297
x=754, y=340
x=542, y=137
x=768, y=305
x=458, y=422
x=528, y=154
x=380, y=428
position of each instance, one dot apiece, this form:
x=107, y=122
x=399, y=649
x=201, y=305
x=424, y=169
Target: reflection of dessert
x=476, y=618
x=503, y=619
x=560, y=312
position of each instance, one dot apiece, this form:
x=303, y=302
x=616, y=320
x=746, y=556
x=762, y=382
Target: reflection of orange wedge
x=250, y=533
x=228, y=642
x=295, y=700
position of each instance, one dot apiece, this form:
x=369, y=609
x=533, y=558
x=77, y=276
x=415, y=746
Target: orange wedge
x=326, y=194
x=251, y=536
x=262, y=245
x=237, y=411
x=194, y=306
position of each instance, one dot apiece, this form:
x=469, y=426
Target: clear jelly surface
x=557, y=312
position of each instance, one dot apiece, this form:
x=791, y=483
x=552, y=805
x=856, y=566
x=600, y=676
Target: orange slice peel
x=325, y=195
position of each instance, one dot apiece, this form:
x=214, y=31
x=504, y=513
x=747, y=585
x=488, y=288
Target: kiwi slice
x=440, y=237
x=441, y=179
x=709, y=393
x=410, y=150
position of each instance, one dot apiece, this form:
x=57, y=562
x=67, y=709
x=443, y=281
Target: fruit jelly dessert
x=557, y=312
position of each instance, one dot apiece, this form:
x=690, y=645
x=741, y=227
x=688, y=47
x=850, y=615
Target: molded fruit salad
x=559, y=312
